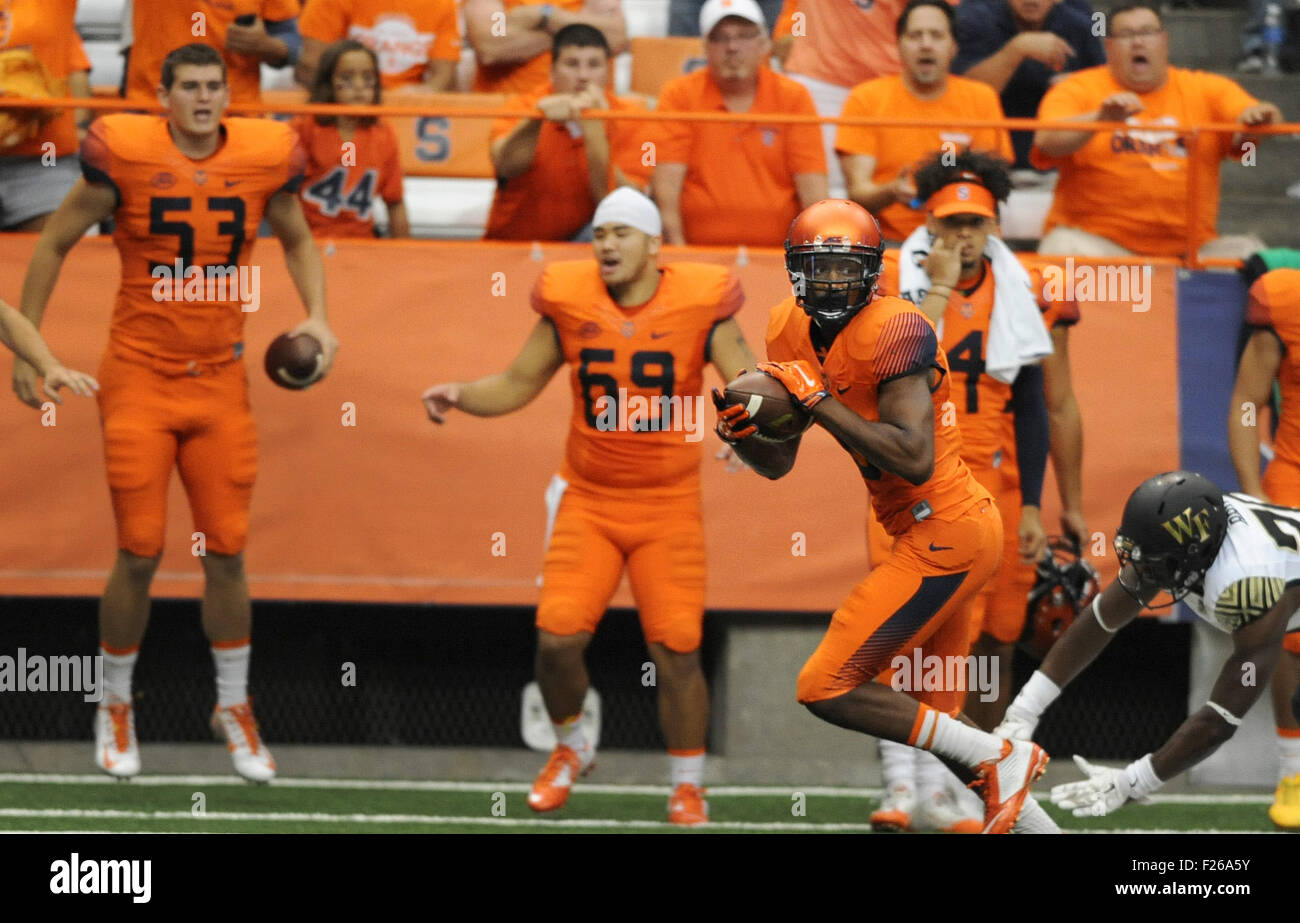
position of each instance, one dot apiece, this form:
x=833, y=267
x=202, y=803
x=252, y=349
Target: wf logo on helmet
x=1181, y=527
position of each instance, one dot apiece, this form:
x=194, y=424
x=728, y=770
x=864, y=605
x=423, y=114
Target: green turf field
x=226, y=804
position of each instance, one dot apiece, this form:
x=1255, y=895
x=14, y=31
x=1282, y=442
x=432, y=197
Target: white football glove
x=1104, y=791
x=1016, y=724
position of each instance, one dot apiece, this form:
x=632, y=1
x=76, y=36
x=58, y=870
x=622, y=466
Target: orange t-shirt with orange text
x=525, y=76
x=887, y=339
x=161, y=26
x=196, y=213
x=552, y=199
x=405, y=35
x=843, y=43
x=341, y=184
x=898, y=149
x=623, y=361
x=1131, y=186
x=46, y=26
x=739, y=186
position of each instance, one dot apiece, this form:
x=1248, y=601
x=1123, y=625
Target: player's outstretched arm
x=1245, y=674
x=506, y=391
x=284, y=213
x=1259, y=364
x=18, y=333
x=86, y=205
x=1072, y=653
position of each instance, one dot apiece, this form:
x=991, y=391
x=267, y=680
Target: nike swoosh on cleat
x=109, y=762
x=934, y=547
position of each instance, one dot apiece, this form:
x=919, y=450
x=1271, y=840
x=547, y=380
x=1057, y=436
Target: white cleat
x=1003, y=783
x=895, y=812
x=941, y=812
x=116, y=751
x=251, y=758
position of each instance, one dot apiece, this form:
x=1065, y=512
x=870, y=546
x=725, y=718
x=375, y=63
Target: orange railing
x=452, y=106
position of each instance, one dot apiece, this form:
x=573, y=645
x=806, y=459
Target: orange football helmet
x=833, y=255
x=1065, y=586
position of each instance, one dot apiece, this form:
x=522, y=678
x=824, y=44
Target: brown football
x=294, y=361
x=777, y=415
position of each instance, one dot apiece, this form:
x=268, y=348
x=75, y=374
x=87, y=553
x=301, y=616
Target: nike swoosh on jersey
x=659, y=336
x=934, y=547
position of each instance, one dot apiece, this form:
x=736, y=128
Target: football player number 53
x=163, y=222
x=651, y=368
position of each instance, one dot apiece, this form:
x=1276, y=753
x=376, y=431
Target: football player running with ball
x=187, y=190
x=626, y=496
x=1233, y=559
x=871, y=372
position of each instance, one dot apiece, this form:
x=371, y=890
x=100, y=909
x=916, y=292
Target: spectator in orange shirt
x=837, y=46
x=878, y=161
x=1149, y=167
x=417, y=42
x=341, y=181
x=512, y=38
x=735, y=183
x=553, y=170
x=42, y=54
x=248, y=33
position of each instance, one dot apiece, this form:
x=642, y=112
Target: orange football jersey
x=983, y=403
x=888, y=339
x=340, y=186
x=174, y=213
x=636, y=373
x=1274, y=303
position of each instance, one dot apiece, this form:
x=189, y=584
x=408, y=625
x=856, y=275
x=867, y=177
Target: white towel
x=1017, y=334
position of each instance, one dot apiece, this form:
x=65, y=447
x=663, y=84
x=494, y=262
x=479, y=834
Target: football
x=294, y=362
x=778, y=416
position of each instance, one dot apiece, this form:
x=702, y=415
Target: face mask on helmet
x=833, y=283
x=1175, y=573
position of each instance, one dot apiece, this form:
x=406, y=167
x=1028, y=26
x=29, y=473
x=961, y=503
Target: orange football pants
x=998, y=609
x=658, y=539
x=1282, y=484
x=915, y=599
x=156, y=415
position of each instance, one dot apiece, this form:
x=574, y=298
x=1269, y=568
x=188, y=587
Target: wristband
x=1037, y=694
x=1142, y=778
x=1096, y=613
x=1224, y=714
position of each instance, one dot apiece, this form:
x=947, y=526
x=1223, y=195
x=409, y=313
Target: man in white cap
x=636, y=336
x=728, y=183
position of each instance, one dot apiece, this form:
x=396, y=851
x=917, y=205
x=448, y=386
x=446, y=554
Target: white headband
x=627, y=206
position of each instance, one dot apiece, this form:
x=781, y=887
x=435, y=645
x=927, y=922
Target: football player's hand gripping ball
x=804, y=382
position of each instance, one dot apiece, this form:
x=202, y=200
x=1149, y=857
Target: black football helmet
x=1065, y=586
x=1172, y=528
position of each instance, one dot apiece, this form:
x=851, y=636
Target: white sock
x=962, y=743
x=570, y=734
x=687, y=770
x=932, y=776
x=117, y=675
x=1288, y=749
x=1033, y=819
x=897, y=766
x=232, y=673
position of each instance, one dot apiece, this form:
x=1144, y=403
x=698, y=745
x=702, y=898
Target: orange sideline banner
x=360, y=497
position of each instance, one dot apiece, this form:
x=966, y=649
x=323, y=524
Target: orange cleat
x=551, y=789
x=687, y=806
x=1004, y=783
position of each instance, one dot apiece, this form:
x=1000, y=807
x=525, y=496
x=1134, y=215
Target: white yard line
x=721, y=791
